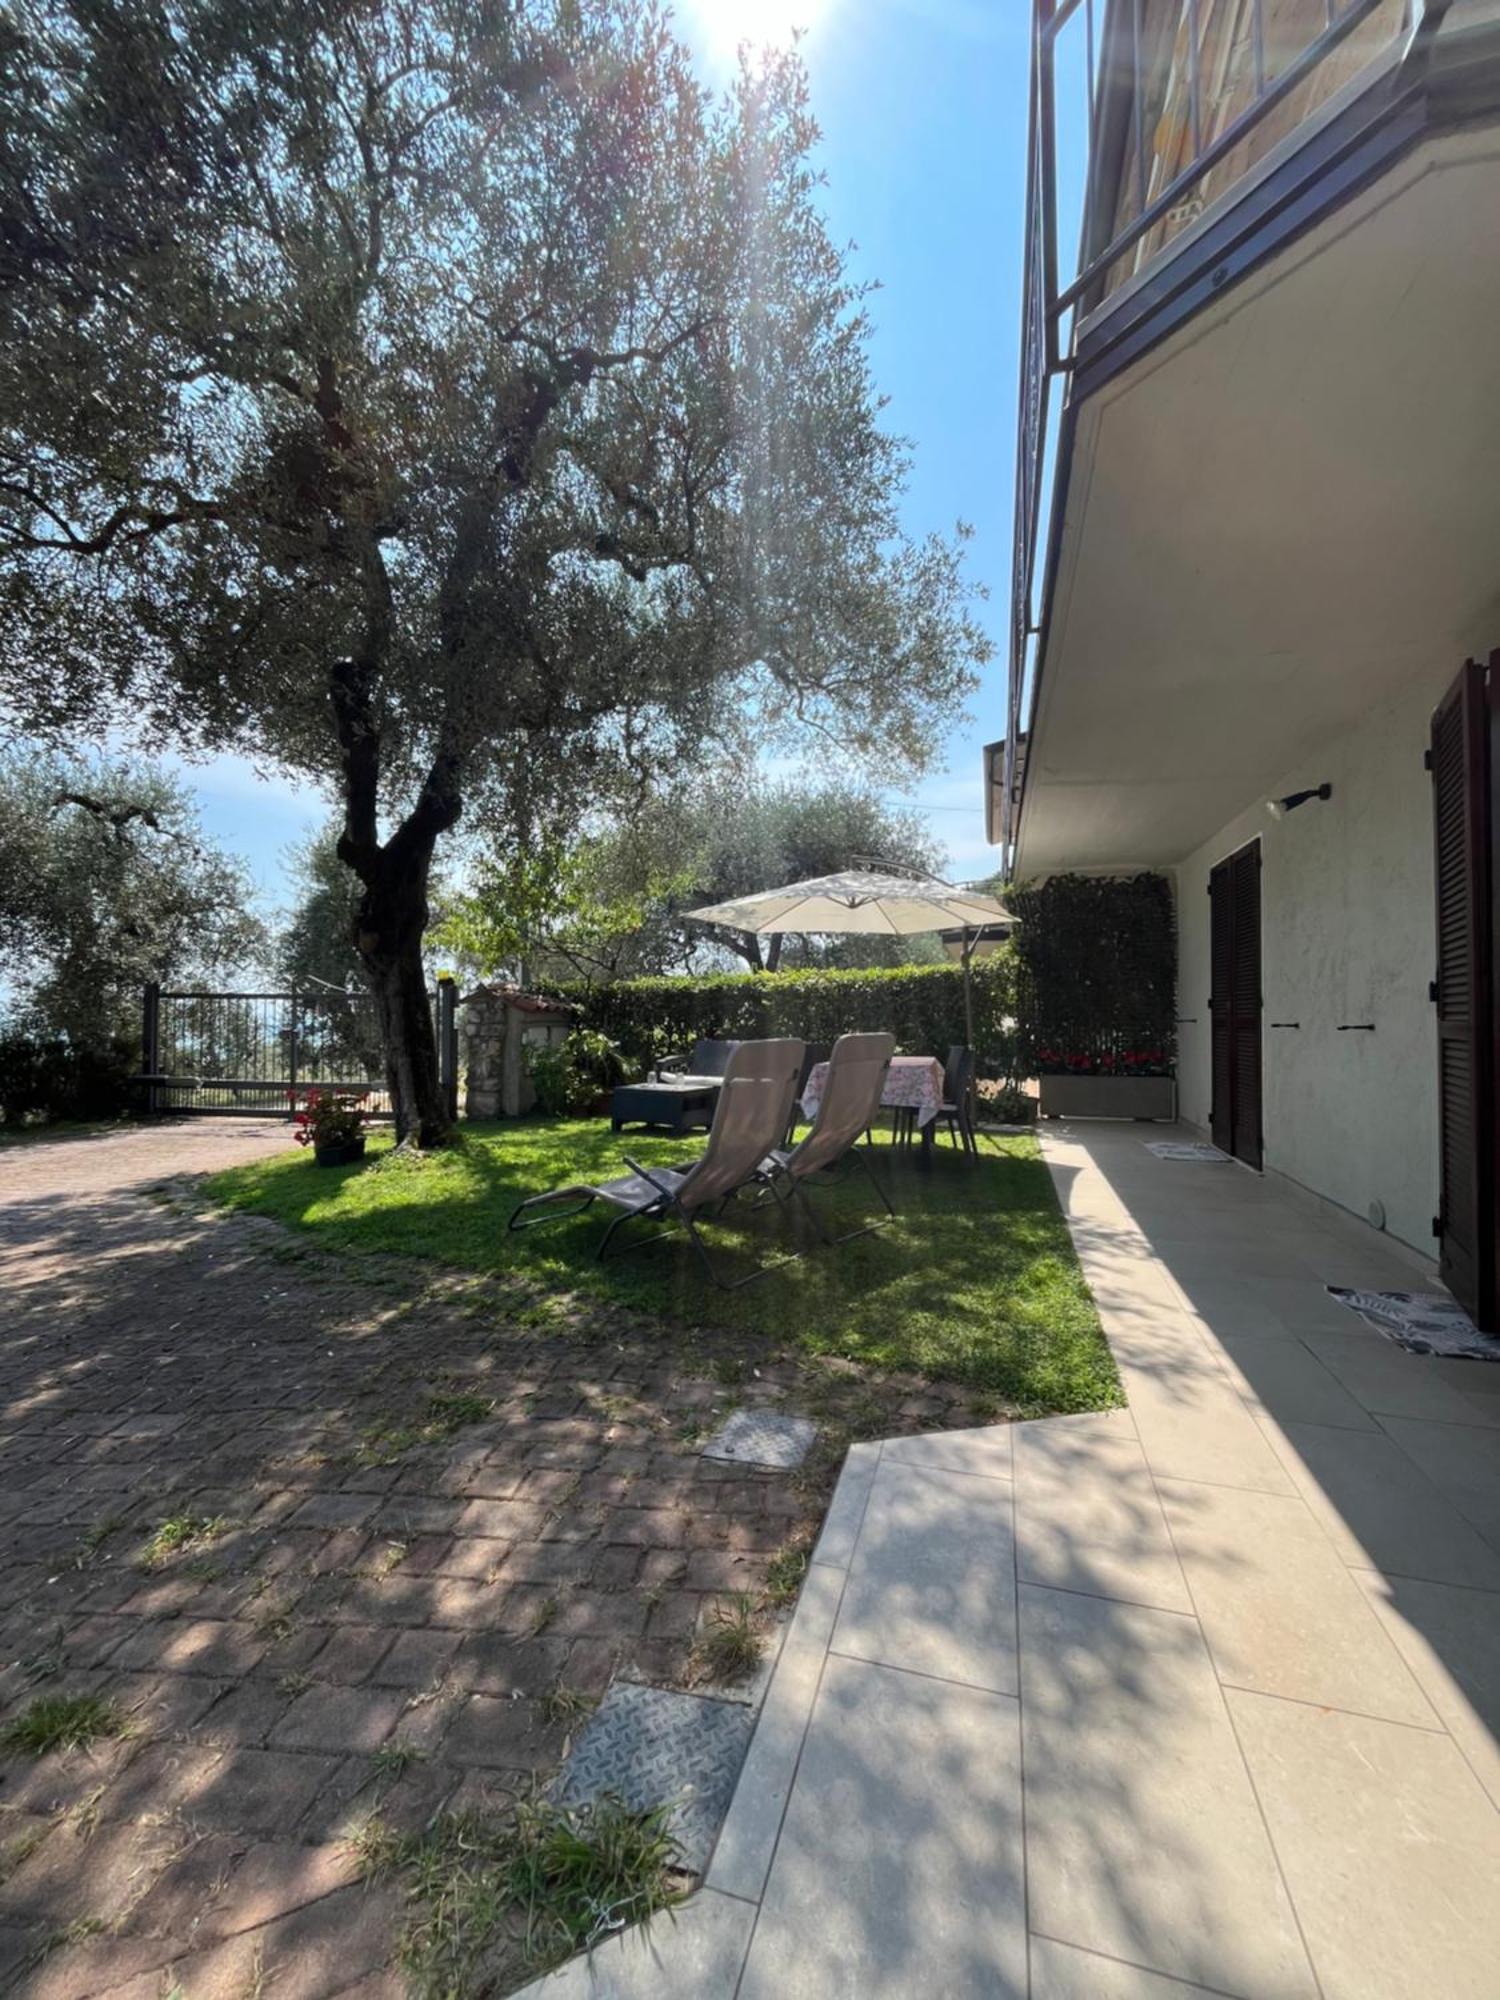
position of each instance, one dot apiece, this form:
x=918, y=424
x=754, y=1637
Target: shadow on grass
x=976, y=1279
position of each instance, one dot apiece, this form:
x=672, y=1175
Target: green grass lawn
x=976, y=1281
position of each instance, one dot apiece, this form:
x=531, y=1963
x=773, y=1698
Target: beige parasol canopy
x=883, y=905
x=866, y=904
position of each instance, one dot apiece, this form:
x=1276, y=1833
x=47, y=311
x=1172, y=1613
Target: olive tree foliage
x=450, y=403
x=315, y=943
x=612, y=904
x=107, y=881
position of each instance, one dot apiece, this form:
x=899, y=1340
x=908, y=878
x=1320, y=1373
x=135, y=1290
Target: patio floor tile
x=927, y=1899
x=1088, y=1517
x=1390, y=1847
x=1463, y=1462
x=1382, y=1511
x=1450, y=1639
x=1143, y=1839
x=986, y=1451
x=1193, y=1423
x=846, y=1511
x=1063, y=1972
x=1391, y=1381
x=695, y=1955
x=1279, y=1610
x=1285, y=1378
x=932, y=1584
x=747, y=1839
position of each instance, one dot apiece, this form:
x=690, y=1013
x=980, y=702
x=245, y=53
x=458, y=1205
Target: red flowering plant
x=327, y=1117
x=1103, y=1062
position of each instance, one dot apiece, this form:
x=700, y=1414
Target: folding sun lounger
x=751, y=1116
x=850, y=1101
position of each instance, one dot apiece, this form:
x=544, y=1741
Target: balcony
x=1155, y=126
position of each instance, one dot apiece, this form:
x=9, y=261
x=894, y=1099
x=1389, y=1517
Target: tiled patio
x=1195, y=1698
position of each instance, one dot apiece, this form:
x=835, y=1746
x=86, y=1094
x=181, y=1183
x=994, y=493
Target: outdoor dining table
x=912, y=1083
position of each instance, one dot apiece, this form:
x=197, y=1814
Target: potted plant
x=332, y=1122
x=1106, y=1083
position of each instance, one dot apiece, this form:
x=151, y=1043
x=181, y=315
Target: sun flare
x=722, y=25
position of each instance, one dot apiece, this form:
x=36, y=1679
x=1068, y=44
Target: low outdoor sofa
x=683, y=1091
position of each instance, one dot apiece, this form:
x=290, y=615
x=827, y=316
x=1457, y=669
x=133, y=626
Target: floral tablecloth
x=914, y=1083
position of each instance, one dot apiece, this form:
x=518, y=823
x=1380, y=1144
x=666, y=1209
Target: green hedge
x=51, y=1078
x=1096, y=975
x=923, y=1006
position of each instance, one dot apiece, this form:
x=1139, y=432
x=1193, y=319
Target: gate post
x=151, y=1043
x=448, y=1042
x=292, y=1051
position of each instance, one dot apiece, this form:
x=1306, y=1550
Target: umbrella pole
x=965, y=954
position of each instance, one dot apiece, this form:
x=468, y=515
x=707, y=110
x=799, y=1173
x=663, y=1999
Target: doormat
x=1424, y=1322
x=650, y=1747
x=1180, y=1149
x=761, y=1437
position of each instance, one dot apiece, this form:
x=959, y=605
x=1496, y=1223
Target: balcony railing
x=1143, y=113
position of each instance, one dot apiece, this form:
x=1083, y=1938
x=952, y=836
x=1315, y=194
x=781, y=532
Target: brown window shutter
x=1460, y=762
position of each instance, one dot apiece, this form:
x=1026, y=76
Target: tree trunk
x=392, y=919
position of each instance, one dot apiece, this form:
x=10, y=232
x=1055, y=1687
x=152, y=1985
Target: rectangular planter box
x=1109, y=1097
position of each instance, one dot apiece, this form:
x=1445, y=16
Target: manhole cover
x=649, y=1747
x=760, y=1437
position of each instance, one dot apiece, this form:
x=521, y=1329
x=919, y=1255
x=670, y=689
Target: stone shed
x=500, y=1023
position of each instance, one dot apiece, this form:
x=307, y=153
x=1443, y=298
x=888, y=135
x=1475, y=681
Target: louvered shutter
x=1221, y=962
x=1460, y=759
x=1234, y=1002
x=1245, y=877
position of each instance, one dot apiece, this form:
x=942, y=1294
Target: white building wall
x=1347, y=935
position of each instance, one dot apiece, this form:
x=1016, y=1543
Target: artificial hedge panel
x=1096, y=976
x=923, y=1006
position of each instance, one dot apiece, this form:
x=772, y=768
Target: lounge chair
x=849, y=1104
x=750, y=1117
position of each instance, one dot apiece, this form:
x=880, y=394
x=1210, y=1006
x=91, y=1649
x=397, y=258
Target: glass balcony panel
x=1241, y=47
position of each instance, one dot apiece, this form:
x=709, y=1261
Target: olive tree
x=107, y=880
x=450, y=403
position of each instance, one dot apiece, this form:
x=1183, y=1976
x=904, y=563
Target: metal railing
x=1180, y=99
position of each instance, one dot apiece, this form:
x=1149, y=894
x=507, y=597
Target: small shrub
x=562, y=1877
x=62, y=1722
x=730, y=1645
x=568, y=1076
x=177, y=1533
x=445, y=1413
x=44, y=1078
x=580, y=1873
x=1006, y=1102
x=785, y=1572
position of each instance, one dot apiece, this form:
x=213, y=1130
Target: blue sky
x=922, y=104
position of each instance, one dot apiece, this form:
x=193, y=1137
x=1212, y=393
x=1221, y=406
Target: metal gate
x=250, y=1052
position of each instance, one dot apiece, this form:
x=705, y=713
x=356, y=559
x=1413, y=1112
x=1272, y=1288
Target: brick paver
x=162, y=1361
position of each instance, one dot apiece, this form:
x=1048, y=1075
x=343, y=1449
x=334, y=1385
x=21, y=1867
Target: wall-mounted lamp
x=1279, y=808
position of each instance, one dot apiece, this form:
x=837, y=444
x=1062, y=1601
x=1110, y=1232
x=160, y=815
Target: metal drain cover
x=761, y=1437
x=648, y=1747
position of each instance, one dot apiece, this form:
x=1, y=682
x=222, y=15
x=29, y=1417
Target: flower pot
x=340, y=1152
x=1109, y=1097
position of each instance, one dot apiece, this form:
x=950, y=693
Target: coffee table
x=671, y=1102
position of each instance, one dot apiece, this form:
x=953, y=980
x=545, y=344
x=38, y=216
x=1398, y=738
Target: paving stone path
x=358, y=1590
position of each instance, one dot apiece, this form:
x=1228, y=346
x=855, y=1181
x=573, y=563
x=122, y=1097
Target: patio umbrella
x=865, y=904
